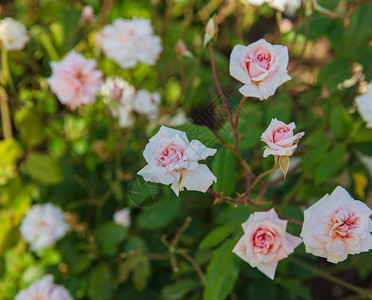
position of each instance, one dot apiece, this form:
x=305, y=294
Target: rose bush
x=138, y=162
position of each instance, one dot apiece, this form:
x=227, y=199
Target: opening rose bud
x=265, y=242
x=336, y=226
x=262, y=67
x=172, y=159
x=280, y=139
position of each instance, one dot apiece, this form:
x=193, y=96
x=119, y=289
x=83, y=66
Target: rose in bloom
x=75, y=80
x=43, y=225
x=13, y=34
x=337, y=225
x=262, y=67
x=364, y=103
x=146, y=103
x=128, y=42
x=44, y=289
x=280, y=139
x=265, y=242
x=172, y=159
x=122, y=217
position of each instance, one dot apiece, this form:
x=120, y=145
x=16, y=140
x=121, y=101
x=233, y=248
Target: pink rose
x=75, y=80
x=265, y=242
x=280, y=139
x=172, y=159
x=262, y=67
x=337, y=225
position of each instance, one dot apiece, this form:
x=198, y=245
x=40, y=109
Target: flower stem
x=5, y=115
x=332, y=278
x=6, y=70
x=259, y=177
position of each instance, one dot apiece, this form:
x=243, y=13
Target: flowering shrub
x=138, y=162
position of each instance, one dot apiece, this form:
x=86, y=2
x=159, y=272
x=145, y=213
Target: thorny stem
x=194, y=264
x=223, y=98
x=234, y=125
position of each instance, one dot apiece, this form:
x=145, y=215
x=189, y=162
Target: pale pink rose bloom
x=87, y=15
x=44, y=289
x=337, y=225
x=262, y=67
x=280, y=139
x=75, y=80
x=265, y=242
x=146, y=103
x=128, y=42
x=172, y=159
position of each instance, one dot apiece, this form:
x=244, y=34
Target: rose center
x=344, y=222
x=169, y=155
x=264, y=239
x=280, y=133
x=263, y=59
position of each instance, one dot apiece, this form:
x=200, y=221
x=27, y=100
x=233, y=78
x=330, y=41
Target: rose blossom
x=280, y=139
x=122, y=217
x=146, y=103
x=43, y=225
x=337, y=225
x=75, y=80
x=44, y=289
x=13, y=34
x=364, y=103
x=172, y=159
x=128, y=42
x=265, y=242
x=119, y=96
x=262, y=67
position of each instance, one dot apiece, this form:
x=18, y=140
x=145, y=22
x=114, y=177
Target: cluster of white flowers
x=13, y=34
x=128, y=42
x=123, y=99
x=287, y=6
x=43, y=225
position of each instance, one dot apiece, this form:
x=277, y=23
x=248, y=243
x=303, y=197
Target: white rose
x=44, y=289
x=128, y=42
x=43, y=225
x=146, y=103
x=13, y=34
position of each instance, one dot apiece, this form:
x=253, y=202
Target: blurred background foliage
x=180, y=248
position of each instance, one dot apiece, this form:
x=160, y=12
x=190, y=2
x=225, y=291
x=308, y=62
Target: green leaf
x=10, y=151
x=43, y=168
x=99, y=283
x=222, y=272
x=141, y=273
x=334, y=73
x=218, y=235
x=30, y=125
x=179, y=289
x=224, y=164
x=109, y=235
x=160, y=214
x=330, y=164
x=281, y=109
x=296, y=289
x=340, y=122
